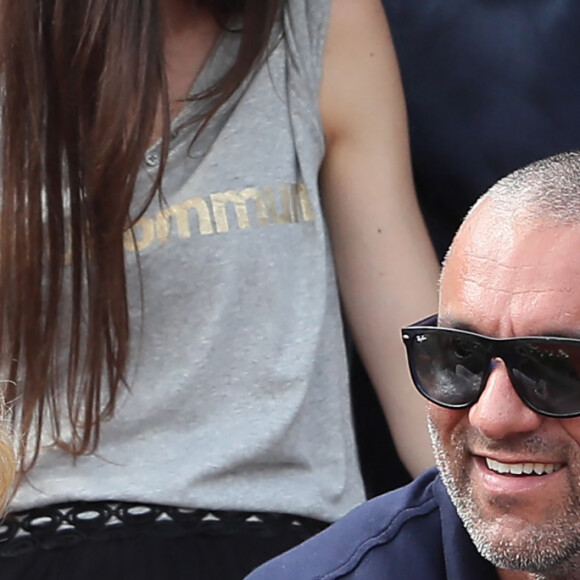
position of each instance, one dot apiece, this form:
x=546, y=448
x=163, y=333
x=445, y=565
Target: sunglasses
x=451, y=367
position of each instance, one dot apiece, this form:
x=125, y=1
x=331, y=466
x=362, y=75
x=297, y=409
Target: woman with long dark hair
x=170, y=332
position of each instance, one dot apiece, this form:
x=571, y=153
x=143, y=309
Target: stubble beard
x=550, y=550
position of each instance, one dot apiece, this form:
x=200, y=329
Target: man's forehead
x=512, y=238
x=513, y=273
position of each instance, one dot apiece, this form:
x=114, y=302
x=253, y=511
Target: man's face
x=503, y=282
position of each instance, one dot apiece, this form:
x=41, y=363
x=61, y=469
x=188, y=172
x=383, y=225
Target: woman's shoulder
x=307, y=20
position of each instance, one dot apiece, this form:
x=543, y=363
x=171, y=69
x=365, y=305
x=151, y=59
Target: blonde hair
x=7, y=467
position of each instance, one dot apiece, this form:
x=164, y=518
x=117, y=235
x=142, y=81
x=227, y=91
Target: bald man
x=499, y=365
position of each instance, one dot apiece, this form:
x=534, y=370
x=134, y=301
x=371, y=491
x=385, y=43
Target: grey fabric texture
x=239, y=394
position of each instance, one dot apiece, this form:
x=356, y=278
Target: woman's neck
x=189, y=36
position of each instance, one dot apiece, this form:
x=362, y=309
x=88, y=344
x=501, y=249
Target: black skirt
x=196, y=545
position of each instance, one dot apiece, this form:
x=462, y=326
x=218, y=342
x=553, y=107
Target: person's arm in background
x=386, y=266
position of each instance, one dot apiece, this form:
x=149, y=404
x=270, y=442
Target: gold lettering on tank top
x=239, y=200
x=223, y=213
x=285, y=215
x=141, y=236
x=181, y=214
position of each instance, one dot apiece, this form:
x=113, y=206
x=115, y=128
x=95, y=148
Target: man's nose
x=499, y=412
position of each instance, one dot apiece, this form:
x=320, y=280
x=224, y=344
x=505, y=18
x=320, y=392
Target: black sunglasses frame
x=495, y=348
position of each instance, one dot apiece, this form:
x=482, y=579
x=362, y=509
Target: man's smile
x=527, y=468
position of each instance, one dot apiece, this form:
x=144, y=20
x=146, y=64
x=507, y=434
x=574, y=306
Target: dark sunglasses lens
x=448, y=366
x=547, y=375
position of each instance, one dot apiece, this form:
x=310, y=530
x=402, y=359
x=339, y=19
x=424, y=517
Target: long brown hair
x=81, y=84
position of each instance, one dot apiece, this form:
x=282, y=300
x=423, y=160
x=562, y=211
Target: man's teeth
x=522, y=468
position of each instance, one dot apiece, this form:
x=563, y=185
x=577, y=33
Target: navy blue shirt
x=413, y=533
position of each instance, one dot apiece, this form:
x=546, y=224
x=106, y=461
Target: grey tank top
x=239, y=394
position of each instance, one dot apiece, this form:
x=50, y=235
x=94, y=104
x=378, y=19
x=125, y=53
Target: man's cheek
x=443, y=421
